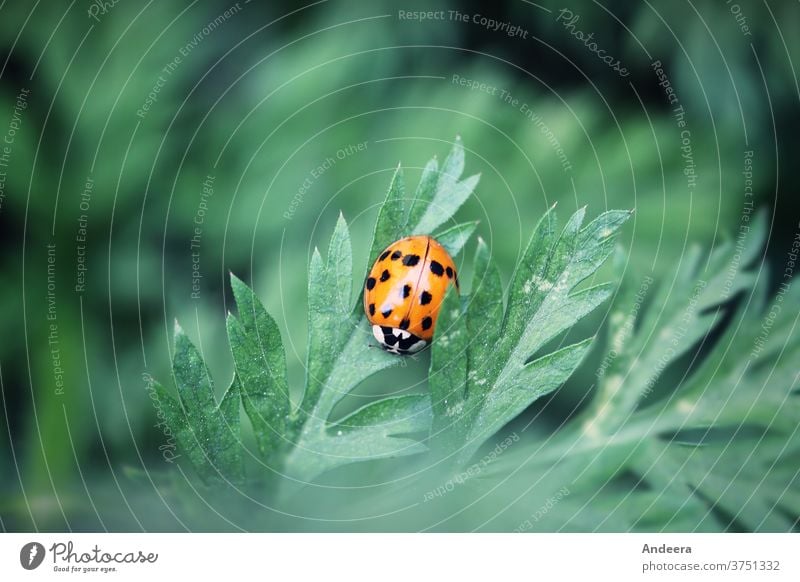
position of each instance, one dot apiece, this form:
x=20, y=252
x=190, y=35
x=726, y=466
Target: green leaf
x=380, y=429
x=448, y=374
x=688, y=312
x=330, y=313
x=260, y=364
x=485, y=313
x=517, y=392
x=433, y=207
x=209, y=434
x=306, y=442
x=543, y=303
x=375, y=431
x=394, y=416
x=454, y=238
x=717, y=447
x=341, y=350
x=424, y=193
x=391, y=222
x=446, y=202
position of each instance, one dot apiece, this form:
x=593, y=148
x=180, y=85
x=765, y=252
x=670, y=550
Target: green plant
x=692, y=423
x=479, y=378
x=715, y=447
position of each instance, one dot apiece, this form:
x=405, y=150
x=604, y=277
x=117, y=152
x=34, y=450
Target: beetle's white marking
x=378, y=333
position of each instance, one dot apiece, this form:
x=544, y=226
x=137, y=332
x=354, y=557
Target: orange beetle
x=404, y=290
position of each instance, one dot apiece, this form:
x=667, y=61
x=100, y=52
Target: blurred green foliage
x=260, y=100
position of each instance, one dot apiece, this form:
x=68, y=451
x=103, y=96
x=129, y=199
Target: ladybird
x=404, y=290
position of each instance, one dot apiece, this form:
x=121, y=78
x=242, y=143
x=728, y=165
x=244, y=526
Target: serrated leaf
x=683, y=314
x=351, y=357
x=433, y=207
x=340, y=267
x=453, y=166
x=499, y=383
x=454, y=238
x=331, y=316
x=446, y=202
x=529, y=272
x=391, y=221
x=529, y=383
x=210, y=434
x=745, y=479
x=485, y=313
x=260, y=364
x=447, y=378
x=424, y=193
x=341, y=353
x=544, y=304
x=718, y=449
x=398, y=415
x=375, y=431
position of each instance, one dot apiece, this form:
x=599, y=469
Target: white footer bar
x=389, y=557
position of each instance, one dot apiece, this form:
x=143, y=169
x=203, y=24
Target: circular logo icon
x=31, y=555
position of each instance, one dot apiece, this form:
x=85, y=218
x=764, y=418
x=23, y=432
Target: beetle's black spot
x=410, y=260
x=404, y=324
x=406, y=291
x=372, y=309
x=449, y=272
x=425, y=298
x=386, y=313
x=370, y=283
x=385, y=276
x=396, y=255
x=384, y=255
x=390, y=339
x=436, y=268
x=427, y=323
x=404, y=344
